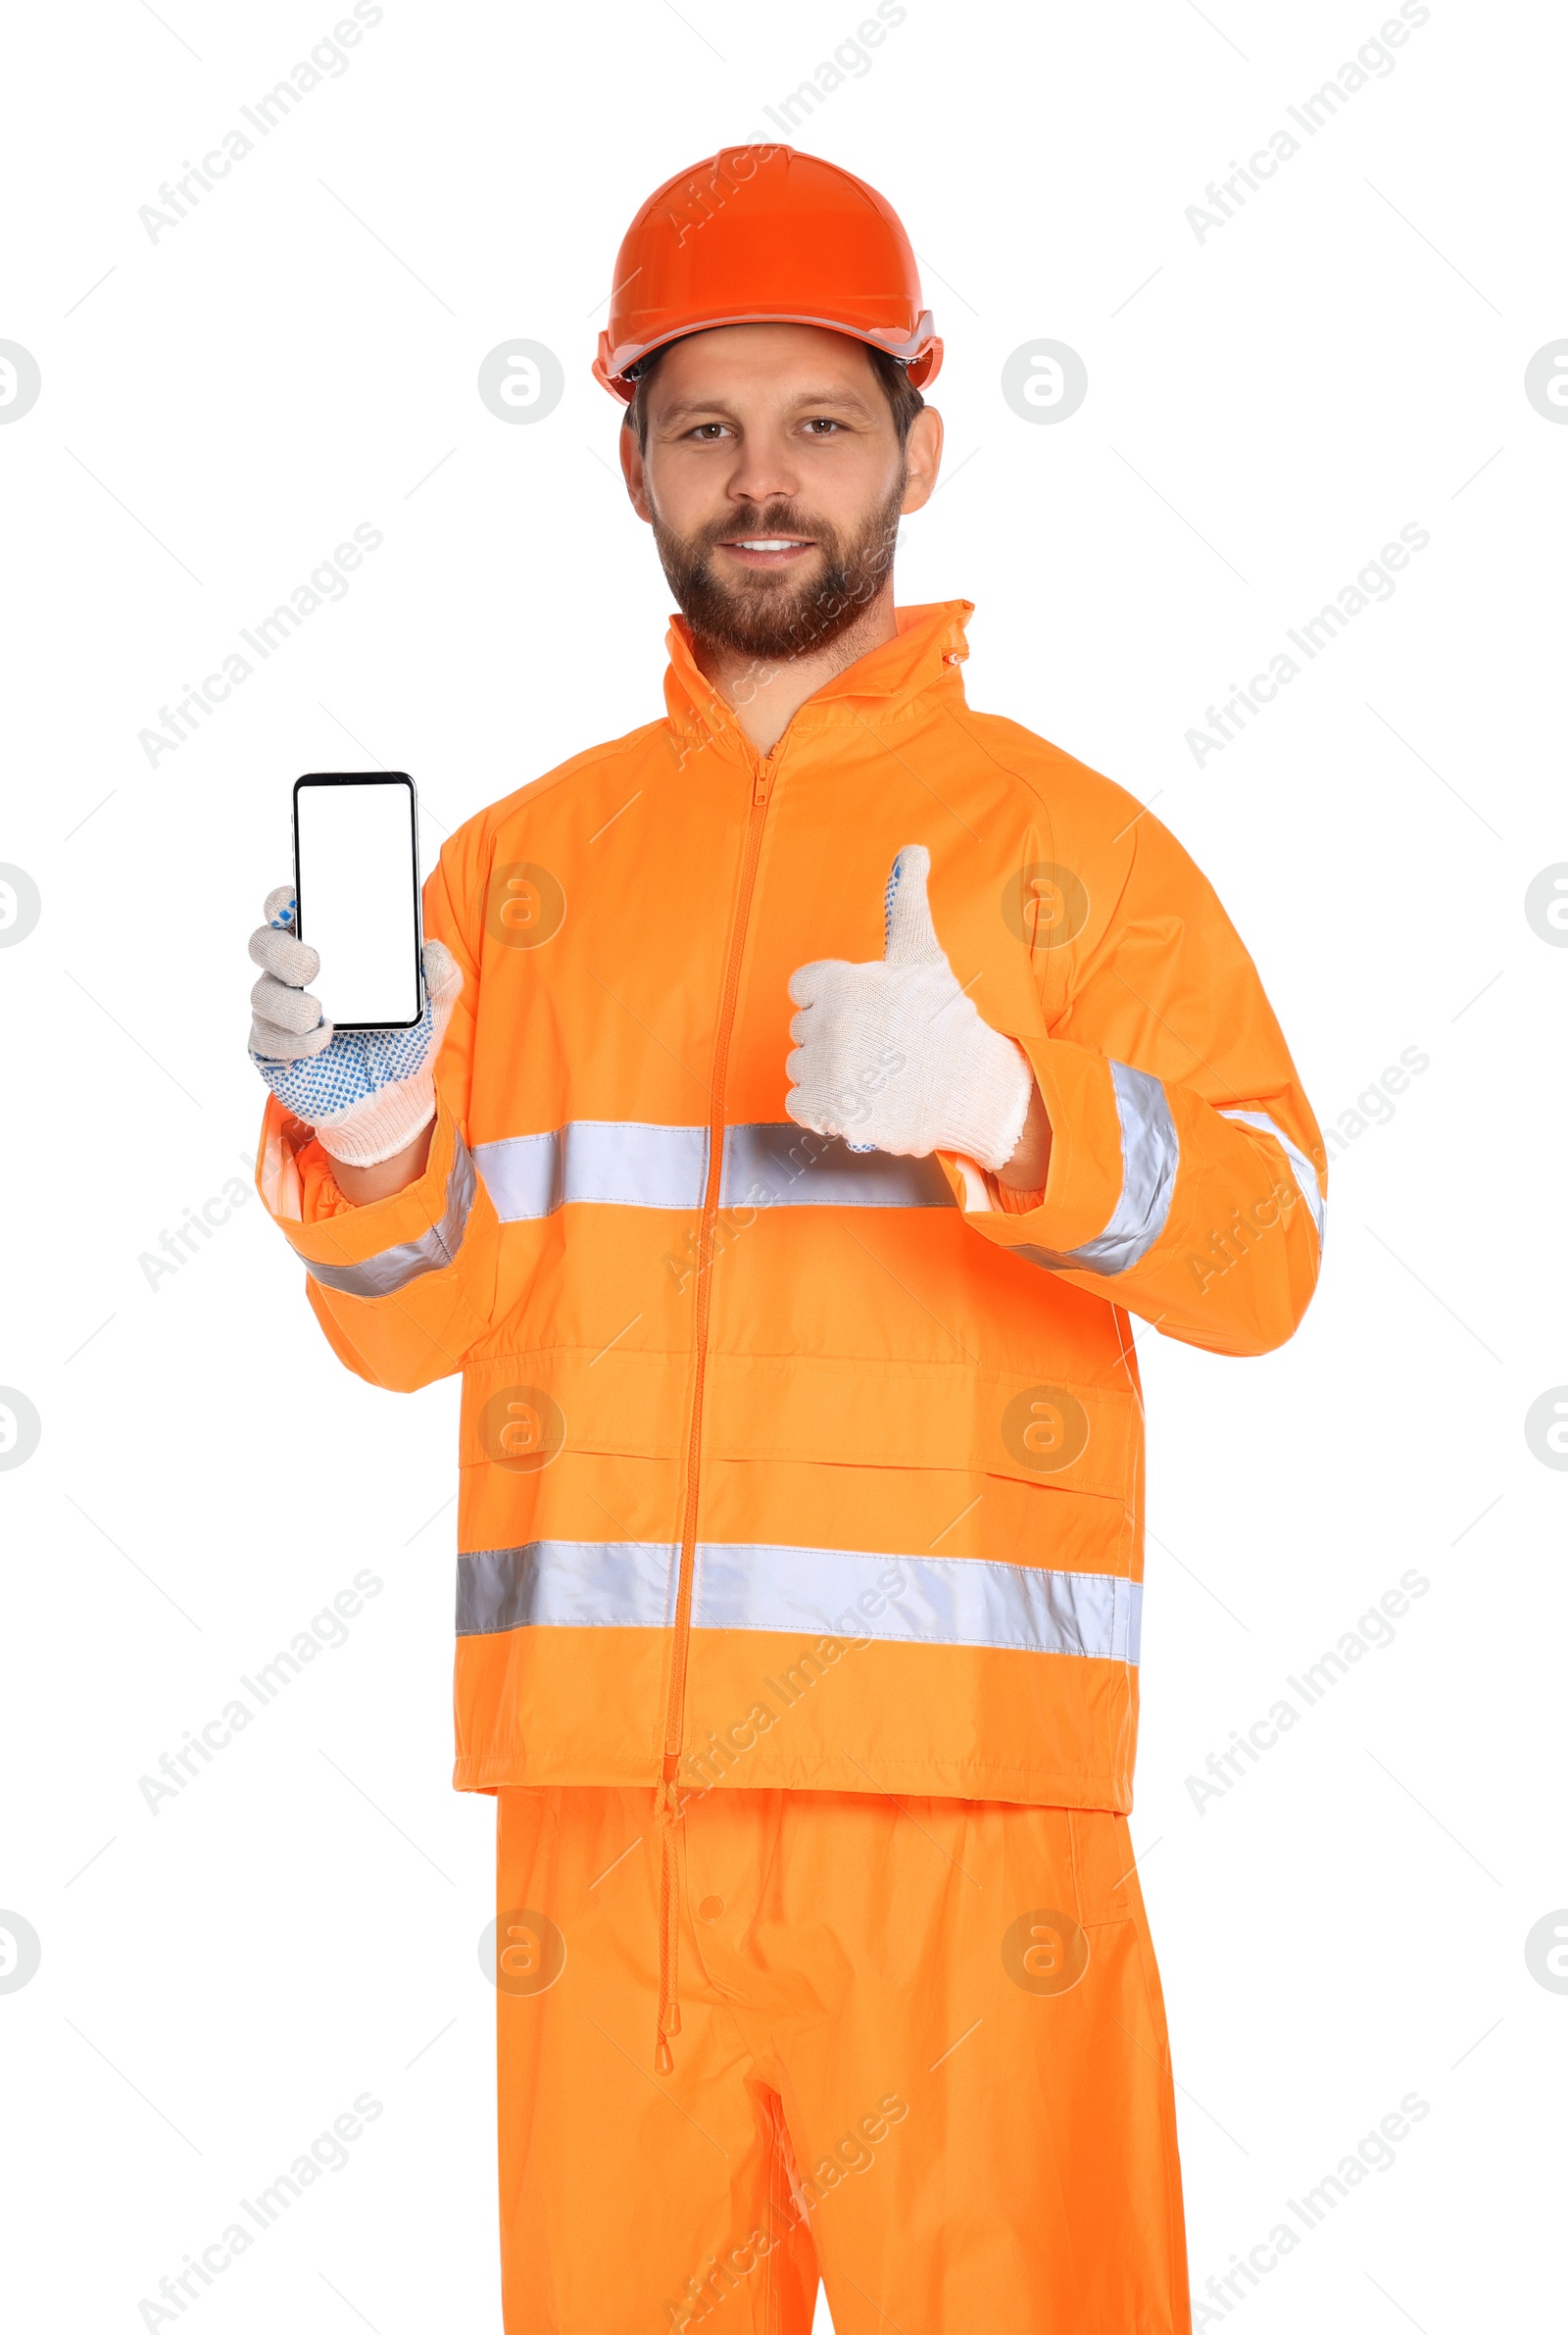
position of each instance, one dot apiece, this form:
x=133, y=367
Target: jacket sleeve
x=1188, y=1178
x=404, y=1287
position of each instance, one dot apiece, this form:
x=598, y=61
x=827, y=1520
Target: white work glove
x=893, y=1057
x=366, y=1092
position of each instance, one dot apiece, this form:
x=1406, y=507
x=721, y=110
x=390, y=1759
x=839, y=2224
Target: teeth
x=772, y=543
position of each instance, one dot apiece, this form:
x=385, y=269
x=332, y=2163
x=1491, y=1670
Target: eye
x=822, y=426
x=707, y=431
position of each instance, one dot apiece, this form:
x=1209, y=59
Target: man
x=812, y=1085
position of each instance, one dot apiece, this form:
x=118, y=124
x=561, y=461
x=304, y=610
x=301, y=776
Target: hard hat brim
x=921, y=351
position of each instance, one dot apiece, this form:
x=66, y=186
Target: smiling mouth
x=768, y=551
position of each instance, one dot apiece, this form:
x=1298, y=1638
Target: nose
x=764, y=469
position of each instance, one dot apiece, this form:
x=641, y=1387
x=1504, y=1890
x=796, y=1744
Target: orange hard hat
x=766, y=235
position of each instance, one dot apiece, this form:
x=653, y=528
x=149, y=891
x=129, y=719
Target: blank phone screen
x=357, y=880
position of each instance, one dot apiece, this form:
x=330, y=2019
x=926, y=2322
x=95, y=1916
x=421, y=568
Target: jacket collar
x=924, y=655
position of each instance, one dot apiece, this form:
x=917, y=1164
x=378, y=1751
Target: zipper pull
x=761, y=783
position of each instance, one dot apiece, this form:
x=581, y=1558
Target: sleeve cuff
x=1112, y=1172
x=370, y=1250
x=981, y=1192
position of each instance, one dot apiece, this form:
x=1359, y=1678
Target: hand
x=893, y=1057
x=366, y=1092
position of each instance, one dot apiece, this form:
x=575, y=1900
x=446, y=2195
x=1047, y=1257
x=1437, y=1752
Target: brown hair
x=902, y=397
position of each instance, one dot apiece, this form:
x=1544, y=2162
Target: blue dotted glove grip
x=321, y=1088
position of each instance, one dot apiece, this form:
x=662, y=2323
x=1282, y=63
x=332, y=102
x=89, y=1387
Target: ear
x=923, y=458
x=631, y=469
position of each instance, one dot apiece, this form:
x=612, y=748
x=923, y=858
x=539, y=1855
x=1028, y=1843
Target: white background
x=1266, y=408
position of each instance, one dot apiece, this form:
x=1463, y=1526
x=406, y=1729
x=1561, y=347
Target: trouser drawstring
x=666, y=1815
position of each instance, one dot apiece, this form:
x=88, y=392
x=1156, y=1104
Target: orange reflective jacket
x=781, y=1464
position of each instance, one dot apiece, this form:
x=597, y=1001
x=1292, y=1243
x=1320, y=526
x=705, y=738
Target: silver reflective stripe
x=912, y=1600
x=605, y=1162
x=917, y=1600
x=1301, y=1166
x=783, y=1166
x=630, y=1164
x=1149, y=1154
x=575, y=1584
x=391, y=1270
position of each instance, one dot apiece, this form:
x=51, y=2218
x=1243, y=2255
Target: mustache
x=782, y=614
x=770, y=519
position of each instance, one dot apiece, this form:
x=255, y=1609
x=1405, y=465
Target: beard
x=780, y=615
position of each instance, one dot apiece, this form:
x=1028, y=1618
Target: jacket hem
x=936, y=1779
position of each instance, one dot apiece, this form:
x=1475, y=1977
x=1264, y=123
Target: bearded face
x=734, y=597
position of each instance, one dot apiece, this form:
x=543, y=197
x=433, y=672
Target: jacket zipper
x=763, y=776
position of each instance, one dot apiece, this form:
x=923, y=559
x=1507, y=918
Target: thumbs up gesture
x=893, y=1057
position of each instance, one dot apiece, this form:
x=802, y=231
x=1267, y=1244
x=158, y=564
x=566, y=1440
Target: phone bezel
x=402, y=778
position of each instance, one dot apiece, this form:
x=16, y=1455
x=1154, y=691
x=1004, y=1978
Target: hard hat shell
x=766, y=235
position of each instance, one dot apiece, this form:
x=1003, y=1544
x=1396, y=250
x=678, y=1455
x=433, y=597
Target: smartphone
x=357, y=894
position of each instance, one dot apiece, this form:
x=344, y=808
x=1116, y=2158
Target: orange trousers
x=921, y=2052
